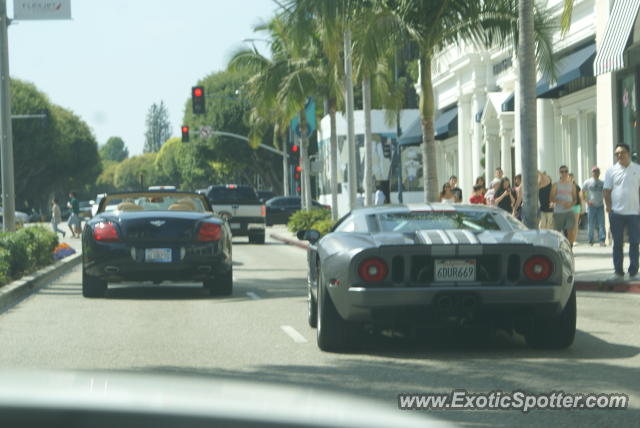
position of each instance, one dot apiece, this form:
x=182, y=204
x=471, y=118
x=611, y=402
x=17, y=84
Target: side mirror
x=312, y=236
x=300, y=235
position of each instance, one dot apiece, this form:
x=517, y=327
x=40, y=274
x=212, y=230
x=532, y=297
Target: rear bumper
x=247, y=226
x=122, y=262
x=430, y=304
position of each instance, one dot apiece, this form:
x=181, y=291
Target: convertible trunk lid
x=154, y=226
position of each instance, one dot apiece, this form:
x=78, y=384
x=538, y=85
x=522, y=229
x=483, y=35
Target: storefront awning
x=610, y=55
x=446, y=125
x=569, y=68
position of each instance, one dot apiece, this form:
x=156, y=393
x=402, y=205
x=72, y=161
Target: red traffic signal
x=294, y=149
x=197, y=100
x=185, y=134
x=298, y=168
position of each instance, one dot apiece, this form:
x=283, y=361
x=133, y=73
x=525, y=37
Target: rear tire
x=334, y=334
x=221, y=285
x=256, y=239
x=93, y=286
x=557, y=332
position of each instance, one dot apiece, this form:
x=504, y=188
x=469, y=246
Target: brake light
x=263, y=211
x=209, y=232
x=538, y=268
x=105, y=232
x=373, y=269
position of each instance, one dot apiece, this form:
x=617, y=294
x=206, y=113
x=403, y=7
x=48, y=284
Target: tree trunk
x=427, y=110
x=333, y=167
x=368, y=152
x=304, y=162
x=527, y=94
x=351, y=138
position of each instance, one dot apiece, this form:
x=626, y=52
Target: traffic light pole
x=6, y=140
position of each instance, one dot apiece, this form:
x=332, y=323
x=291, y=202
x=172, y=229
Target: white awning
x=610, y=56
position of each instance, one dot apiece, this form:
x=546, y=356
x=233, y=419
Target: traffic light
x=386, y=149
x=294, y=155
x=197, y=100
x=297, y=177
x=185, y=134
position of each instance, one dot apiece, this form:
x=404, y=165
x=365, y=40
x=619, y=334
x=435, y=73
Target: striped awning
x=610, y=56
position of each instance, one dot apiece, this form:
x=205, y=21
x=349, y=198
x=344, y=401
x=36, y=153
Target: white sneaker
x=615, y=278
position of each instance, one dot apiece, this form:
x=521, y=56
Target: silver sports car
x=424, y=265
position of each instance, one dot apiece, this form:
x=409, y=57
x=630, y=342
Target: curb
x=605, y=286
x=20, y=288
x=295, y=242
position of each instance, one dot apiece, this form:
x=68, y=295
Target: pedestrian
x=477, y=197
x=379, y=197
x=499, y=174
x=74, y=216
x=620, y=190
x=56, y=217
x=453, y=181
x=505, y=196
x=517, y=206
x=490, y=196
x=577, y=209
x=563, y=195
x=481, y=182
x=592, y=194
x=447, y=196
x=546, y=206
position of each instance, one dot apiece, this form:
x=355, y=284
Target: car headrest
x=129, y=206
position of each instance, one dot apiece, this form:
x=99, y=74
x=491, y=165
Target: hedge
x=25, y=251
x=318, y=219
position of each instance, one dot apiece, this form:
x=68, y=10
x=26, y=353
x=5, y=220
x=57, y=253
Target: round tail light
x=373, y=269
x=209, y=232
x=538, y=268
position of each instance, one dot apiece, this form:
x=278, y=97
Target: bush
x=42, y=242
x=24, y=251
x=303, y=220
x=323, y=226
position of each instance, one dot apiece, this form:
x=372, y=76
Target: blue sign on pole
x=310, y=110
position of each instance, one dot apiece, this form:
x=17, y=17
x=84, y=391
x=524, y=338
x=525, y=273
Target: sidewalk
x=593, y=264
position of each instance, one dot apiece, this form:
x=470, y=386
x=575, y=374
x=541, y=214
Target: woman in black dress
x=506, y=196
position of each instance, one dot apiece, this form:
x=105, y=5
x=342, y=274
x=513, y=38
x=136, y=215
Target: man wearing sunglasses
x=622, y=203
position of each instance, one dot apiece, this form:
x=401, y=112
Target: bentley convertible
x=428, y=265
x=156, y=236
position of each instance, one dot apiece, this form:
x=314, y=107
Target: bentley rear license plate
x=157, y=255
x=455, y=270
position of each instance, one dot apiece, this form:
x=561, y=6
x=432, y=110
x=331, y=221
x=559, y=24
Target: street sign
x=310, y=110
x=206, y=132
x=26, y=10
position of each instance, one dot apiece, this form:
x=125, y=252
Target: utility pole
x=6, y=135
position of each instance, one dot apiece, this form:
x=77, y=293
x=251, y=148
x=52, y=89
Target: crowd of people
x=562, y=203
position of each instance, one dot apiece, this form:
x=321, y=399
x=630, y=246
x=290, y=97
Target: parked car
x=85, y=209
x=280, y=208
x=156, y=236
x=265, y=195
x=424, y=265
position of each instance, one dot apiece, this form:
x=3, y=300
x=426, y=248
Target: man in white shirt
x=622, y=202
x=379, y=198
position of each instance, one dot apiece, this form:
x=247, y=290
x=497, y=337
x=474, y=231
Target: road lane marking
x=293, y=334
x=253, y=295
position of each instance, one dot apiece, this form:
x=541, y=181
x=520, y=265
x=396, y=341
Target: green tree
x=136, y=170
x=106, y=180
x=114, y=150
x=158, y=128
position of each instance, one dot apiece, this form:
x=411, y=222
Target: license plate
x=455, y=270
x=157, y=255
x=235, y=225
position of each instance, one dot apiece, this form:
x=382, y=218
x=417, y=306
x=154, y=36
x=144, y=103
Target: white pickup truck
x=242, y=209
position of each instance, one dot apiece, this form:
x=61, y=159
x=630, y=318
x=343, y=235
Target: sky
x=117, y=57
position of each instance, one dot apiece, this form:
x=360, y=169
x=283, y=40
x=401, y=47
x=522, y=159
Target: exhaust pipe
x=444, y=303
x=111, y=269
x=469, y=302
